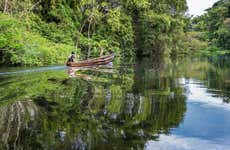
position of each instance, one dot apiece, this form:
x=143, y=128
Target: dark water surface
x=153, y=104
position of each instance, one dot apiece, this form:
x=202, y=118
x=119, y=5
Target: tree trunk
x=101, y=51
x=90, y=44
x=5, y=6
x=76, y=46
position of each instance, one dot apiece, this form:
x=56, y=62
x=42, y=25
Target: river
x=152, y=104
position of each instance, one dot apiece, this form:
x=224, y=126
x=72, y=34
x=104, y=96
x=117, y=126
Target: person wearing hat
x=71, y=70
x=71, y=58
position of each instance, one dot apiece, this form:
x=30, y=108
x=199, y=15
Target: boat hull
x=103, y=60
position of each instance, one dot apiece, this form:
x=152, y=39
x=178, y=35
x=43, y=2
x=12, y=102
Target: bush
x=23, y=47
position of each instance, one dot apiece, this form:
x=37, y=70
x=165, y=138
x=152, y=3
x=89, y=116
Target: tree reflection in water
x=123, y=108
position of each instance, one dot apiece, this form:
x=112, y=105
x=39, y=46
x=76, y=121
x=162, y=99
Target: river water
x=152, y=104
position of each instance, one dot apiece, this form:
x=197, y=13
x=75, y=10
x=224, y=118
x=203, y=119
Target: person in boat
x=71, y=57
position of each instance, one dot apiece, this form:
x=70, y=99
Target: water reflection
x=197, y=92
x=119, y=107
x=15, y=119
x=74, y=71
x=205, y=125
x=173, y=142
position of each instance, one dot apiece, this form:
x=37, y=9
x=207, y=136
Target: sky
x=197, y=7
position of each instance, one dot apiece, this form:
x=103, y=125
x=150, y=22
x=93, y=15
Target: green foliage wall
x=44, y=32
x=20, y=46
x=158, y=26
x=215, y=25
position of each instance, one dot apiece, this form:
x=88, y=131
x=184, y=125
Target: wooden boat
x=103, y=60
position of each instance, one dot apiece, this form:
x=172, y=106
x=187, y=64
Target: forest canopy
x=214, y=27
x=44, y=32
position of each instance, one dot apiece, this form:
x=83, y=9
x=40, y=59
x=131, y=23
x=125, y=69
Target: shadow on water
x=122, y=109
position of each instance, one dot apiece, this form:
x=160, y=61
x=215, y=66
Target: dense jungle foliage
x=213, y=27
x=45, y=31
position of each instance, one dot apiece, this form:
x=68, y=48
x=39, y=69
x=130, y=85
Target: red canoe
x=103, y=60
